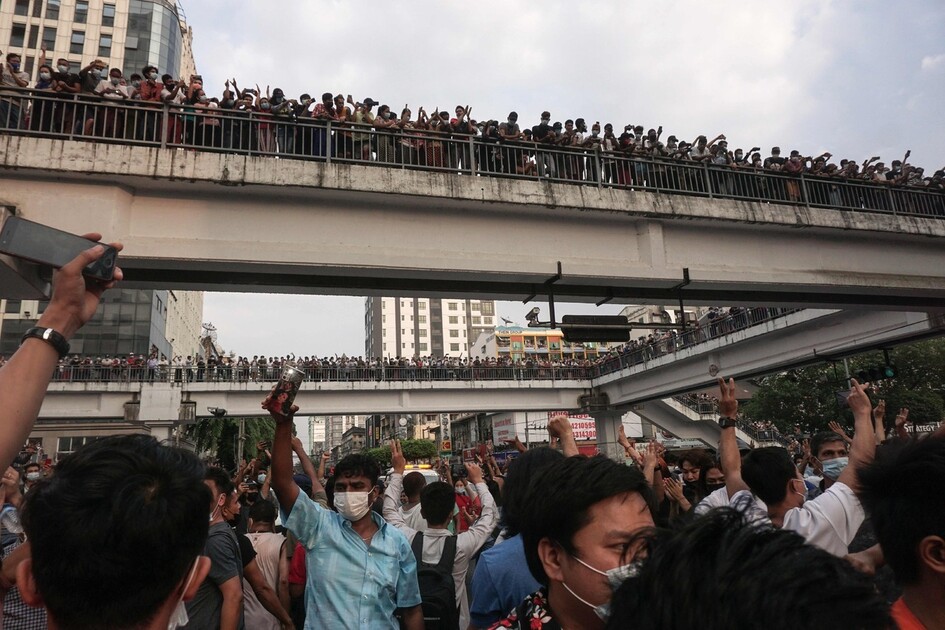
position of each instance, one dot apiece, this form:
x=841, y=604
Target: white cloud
x=813, y=75
x=931, y=63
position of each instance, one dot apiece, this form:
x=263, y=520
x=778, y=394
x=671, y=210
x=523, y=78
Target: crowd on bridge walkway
x=127, y=533
x=221, y=368
x=98, y=103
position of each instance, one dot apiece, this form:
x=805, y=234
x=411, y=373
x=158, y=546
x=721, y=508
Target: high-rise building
x=336, y=426
x=421, y=327
x=128, y=321
x=126, y=34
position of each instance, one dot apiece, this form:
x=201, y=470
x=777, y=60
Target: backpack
x=437, y=589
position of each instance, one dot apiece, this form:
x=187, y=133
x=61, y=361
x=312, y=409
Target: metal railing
x=66, y=373
x=76, y=117
x=708, y=409
x=92, y=371
x=670, y=343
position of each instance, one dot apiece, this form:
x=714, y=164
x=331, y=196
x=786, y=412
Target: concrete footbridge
x=218, y=221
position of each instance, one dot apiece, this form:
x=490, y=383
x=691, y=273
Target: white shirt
x=467, y=543
x=830, y=521
x=106, y=84
x=412, y=518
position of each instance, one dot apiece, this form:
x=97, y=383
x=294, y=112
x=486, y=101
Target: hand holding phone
x=74, y=300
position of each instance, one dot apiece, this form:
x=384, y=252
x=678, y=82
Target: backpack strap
x=417, y=547
x=448, y=556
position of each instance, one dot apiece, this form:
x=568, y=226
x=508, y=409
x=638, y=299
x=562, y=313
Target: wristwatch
x=725, y=422
x=51, y=337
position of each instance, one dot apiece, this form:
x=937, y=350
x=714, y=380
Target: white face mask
x=352, y=505
x=261, y=479
x=33, y=476
x=460, y=490
x=179, y=617
x=615, y=577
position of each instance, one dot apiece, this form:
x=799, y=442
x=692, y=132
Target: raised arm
x=394, y=487
x=479, y=531
x=307, y=466
x=864, y=442
x=728, y=443
x=560, y=427
x=879, y=426
x=281, y=467
x=24, y=378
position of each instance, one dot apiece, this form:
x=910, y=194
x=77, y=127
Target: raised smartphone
x=42, y=244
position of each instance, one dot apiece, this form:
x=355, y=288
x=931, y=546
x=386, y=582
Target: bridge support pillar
x=608, y=423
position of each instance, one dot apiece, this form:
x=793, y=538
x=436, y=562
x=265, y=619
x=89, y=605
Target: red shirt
x=297, y=571
x=904, y=618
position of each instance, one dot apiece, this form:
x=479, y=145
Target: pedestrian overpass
x=219, y=221
x=796, y=339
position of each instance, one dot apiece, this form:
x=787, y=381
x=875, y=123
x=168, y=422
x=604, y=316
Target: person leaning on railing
x=11, y=109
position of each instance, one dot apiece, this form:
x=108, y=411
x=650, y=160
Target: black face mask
x=712, y=487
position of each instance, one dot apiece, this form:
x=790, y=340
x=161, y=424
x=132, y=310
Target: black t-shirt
x=774, y=160
x=69, y=78
x=247, y=552
x=542, y=132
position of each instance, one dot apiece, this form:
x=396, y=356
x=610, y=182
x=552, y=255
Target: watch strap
x=50, y=336
x=725, y=422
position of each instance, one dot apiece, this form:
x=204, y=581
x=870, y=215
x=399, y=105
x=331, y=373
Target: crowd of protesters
x=127, y=533
x=240, y=369
x=269, y=122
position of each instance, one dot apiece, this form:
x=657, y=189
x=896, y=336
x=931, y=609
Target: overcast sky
x=853, y=78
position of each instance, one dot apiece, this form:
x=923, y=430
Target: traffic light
x=876, y=373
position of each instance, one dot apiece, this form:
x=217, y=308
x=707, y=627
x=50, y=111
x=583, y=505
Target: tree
x=220, y=437
x=413, y=451
x=809, y=398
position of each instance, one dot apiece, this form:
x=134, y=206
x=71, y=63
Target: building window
x=12, y=306
x=108, y=15
x=423, y=332
x=22, y=7
x=52, y=9
x=34, y=36
x=81, y=12
x=69, y=445
x=454, y=319
x=78, y=43
x=487, y=320
x=403, y=318
x=476, y=321
x=383, y=332
x=38, y=8
x=454, y=333
x=452, y=306
x=422, y=319
x=28, y=66
x=385, y=347
x=423, y=306
x=454, y=347
x=383, y=319
x=105, y=46
x=423, y=347
x=488, y=308
x=18, y=36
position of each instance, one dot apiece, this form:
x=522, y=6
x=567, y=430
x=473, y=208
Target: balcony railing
x=196, y=127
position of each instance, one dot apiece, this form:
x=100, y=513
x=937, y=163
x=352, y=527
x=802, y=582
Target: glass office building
x=127, y=321
x=153, y=37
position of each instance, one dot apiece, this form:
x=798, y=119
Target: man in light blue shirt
x=360, y=569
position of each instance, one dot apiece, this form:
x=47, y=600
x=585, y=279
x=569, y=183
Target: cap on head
x=370, y=102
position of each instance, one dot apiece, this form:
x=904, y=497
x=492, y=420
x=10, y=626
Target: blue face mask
x=833, y=467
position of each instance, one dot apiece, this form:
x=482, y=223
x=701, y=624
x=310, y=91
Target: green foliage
x=413, y=450
x=380, y=454
x=418, y=449
x=220, y=437
x=808, y=396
